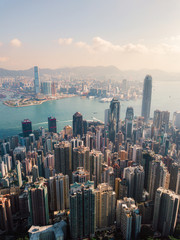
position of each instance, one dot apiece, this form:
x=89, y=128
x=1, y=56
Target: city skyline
x=90, y=119
x=62, y=34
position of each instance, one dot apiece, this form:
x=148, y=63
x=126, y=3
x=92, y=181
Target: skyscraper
x=46, y=88
x=128, y=218
x=146, y=101
x=26, y=127
x=80, y=158
x=35, y=173
x=129, y=122
x=36, y=80
x=52, y=124
x=6, y=219
x=176, y=119
x=77, y=124
x=175, y=177
x=38, y=205
x=165, y=211
x=158, y=178
x=63, y=160
x=82, y=210
x=105, y=205
x=114, y=116
x=19, y=174
x=148, y=157
x=157, y=120
x=96, y=160
x=135, y=180
x=59, y=192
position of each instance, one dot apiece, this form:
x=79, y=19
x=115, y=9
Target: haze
x=131, y=34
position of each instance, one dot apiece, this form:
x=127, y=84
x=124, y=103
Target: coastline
x=39, y=102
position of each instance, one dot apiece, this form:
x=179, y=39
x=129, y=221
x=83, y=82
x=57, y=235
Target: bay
x=165, y=96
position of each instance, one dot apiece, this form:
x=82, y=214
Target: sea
x=165, y=96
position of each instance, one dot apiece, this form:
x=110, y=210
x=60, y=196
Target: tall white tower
x=36, y=80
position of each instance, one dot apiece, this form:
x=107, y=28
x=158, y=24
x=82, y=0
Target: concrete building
x=59, y=192
x=176, y=119
x=146, y=101
x=58, y=231
x=128, y=218
x=135, y=180
x=38, y=204
x=165, y=211
x=114, y=117
x=36, y=80
x=105, y=206
x=19, y=173
x=96, y=160
x=159, y=176
x=80, y=175
x=82, y=210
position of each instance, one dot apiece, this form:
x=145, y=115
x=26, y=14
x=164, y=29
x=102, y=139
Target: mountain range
x=99, y=72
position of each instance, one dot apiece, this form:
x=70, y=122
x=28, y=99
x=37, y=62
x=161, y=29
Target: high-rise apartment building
x=174, y=183
x=159, y=176
x=38, y=204
x=147, y=160
x=80, y=175
x=63, y=160
x=52, y=124
x=96, y=160
x=146, y=101
x=46, y=88
x=82, y=210
x=161, y=119
x=19, y=174
x=36, y=80
x=53, y=88
x=128, y=218
x=105, y=205
x=6, y=220
x=59, y=192
x=81, y=158
x=121, y=188
x=135, y=181
x=35, y=173
x=176, y=119
x=165, y=211
x=157, y=120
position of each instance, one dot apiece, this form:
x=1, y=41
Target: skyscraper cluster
x=93, y=178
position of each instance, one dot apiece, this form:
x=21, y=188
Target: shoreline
x=39, y=103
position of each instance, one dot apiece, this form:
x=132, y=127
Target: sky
x=129, y=34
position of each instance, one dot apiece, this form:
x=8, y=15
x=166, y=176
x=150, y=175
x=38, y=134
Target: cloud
x=172, y=38
x=165, y=48
x=16, y=42
x=1, y=44
x=4, y=59
x=65, y=41
x=101, y=45
x=83, y=45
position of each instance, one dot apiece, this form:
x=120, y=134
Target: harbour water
x=165, y=96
